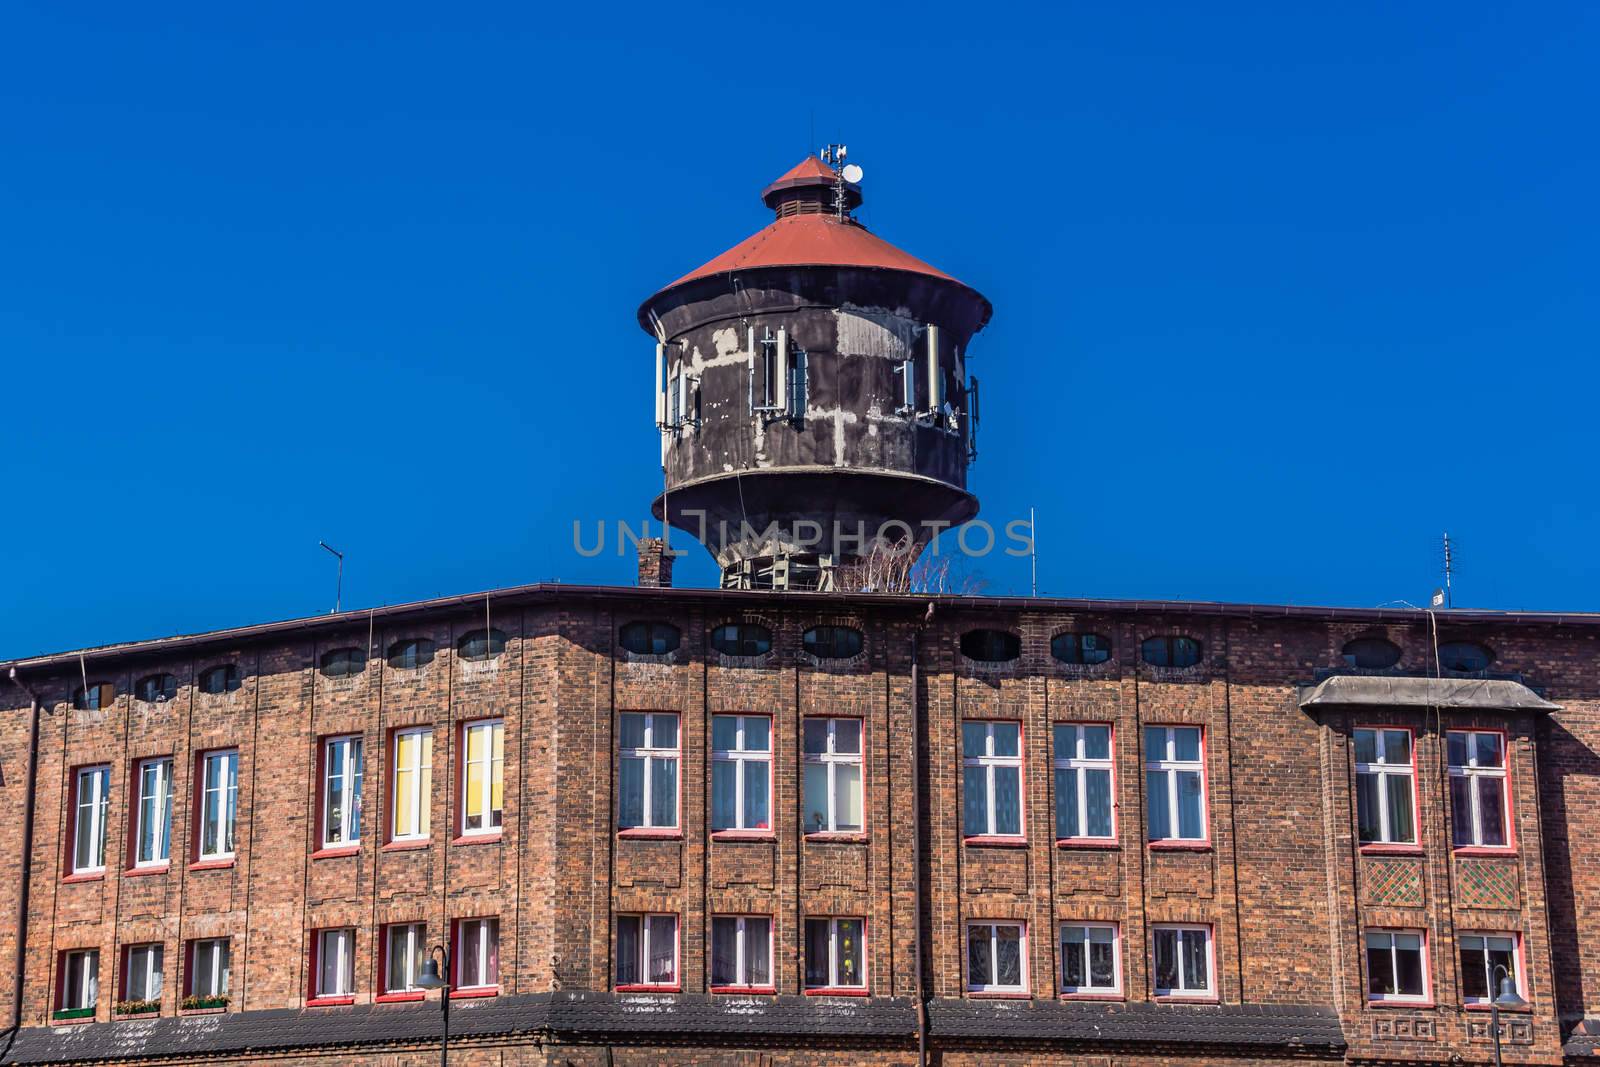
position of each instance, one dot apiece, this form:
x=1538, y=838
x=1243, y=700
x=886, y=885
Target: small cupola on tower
x=811, y=391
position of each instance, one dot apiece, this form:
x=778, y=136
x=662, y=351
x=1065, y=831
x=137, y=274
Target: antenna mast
x=338, y=588
x=1449, y=564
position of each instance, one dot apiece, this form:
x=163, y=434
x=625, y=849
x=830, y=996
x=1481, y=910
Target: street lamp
x=431, y=979
x=1507, y=998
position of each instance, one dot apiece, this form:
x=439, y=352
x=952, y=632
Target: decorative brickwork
x=1392, y=881
x=1487, y=883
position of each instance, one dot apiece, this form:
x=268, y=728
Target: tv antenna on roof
x=338, y=589
x=834, y=156
x=1449, y=567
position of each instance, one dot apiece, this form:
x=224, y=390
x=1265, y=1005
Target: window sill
x=647, y=833
x=1400, y=1004
x=476, y=991
x=399, y=998
x=838, y=837
x=836, y=991
x=407, y=846
x=87, y=876
x=202, y=1011
x=1179, y=846
x=1485, y=1006
x=211, y=865
x=996, y=841
x=330, y=1002
x=335, y=853
x=478, y=839
x=141, y=872
x=638, y=987
x=125, y=1016
x=1485, y=850
x=1187, y=998
x=1088, y=842
x=751, y=990
x=744, y=835
x=1391, y=850
x=999, y=994
x=57, y=1020
x=1103, y=997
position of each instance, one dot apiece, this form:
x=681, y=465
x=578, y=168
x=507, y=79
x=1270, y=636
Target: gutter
x=27, y=864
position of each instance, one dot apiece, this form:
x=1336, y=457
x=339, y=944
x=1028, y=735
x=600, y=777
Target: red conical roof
x=809, y=167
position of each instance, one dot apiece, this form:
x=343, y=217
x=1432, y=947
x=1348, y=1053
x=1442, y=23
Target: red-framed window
x=482, y=777
x=741, y=953
x=836, y=954
x=475, y=962
x=1091, y=959
x=741, y=774
x=1386, y=786
x=991, y=786
x=997, y=957
x=1479, y=767
x=647, y=951
x=333, y=966
x=1085, y=782
x=411, y=784
x=1183, y=961
x=1397, y=967
x=1175, y=785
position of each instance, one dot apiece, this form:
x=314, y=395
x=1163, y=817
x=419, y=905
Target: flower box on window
x=197, y=1002
x=137, y=1007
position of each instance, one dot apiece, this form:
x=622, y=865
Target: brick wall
x=1279, y=880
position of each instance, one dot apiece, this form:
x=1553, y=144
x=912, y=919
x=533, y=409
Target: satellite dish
x=851, y=173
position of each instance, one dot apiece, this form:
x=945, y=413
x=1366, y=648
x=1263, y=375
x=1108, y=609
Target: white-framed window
x=741, y=772
x=153, y=813
x=647, y=774
x=341, y=791
x=336, y=963
x=413, y=784
x=992, y=778
x=997, y=957
x=210, y=960
x=1397, y=965
x=80, y=980
x=483, y=783
x=832, y=755
x=1091, y=959
x=1479, y=793
x=1385, y=788
x=142, y=979
x=1175, y=783
x=405, y=950
x=741, y=951
x=1486, y=959
x=219, y=803
x=1083, y=767
x=91, y=788
x=647, y=950
x=836, y=953
x=1183, y=961
x=478, y=953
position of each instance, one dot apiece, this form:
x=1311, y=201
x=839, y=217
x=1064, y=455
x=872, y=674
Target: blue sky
x=1280, y=294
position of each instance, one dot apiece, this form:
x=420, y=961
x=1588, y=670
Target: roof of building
x=680, y=1018
x=813, y=240
x=908, y=602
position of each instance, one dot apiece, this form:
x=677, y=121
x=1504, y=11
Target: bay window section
x=835, y=954
x=647, y=773
x=478, y=954
x=483, y=783
x=1479, y=799
x=90, y=807
x=1396, y=966
x=832, y=787
x=741, y=952
x=1183, y=961
x=153, y=814
x=1090, y=963
x=741, y=772
x=647, y=951
x=1174, y=774
x=996, y=953
x=413, y=784
x=991, y=779
x=341, y=792
x=1083, y=776
x=1487, y=959
x=1385, y=787
x=219, y=798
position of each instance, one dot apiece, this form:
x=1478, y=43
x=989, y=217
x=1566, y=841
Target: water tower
x=811, y=390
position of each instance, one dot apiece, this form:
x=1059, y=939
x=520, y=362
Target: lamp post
x=1507, y=998
x=431, y=979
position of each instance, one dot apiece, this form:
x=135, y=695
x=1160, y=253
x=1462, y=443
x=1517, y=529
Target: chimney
x=655, y=565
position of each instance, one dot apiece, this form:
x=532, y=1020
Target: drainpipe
x=27, y=865
x=916, y=836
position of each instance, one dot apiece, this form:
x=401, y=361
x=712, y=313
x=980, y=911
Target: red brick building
x=780, y=823
x=629, y=864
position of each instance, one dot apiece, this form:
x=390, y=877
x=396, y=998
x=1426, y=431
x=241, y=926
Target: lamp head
x=1508, y=994
x=429, y=979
